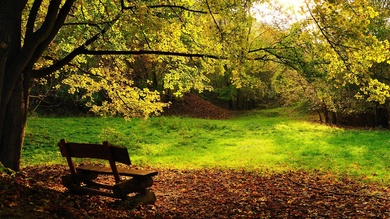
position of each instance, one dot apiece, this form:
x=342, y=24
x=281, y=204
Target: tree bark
x=320, y=116
x=13, y=110
x=14, y=124
x=334, y=118
x=326, y=113
x=16, y=63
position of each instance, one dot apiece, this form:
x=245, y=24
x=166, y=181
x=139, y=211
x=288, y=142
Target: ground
x=36, y=192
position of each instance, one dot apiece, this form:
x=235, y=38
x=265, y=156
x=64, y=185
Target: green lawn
x=267, y=140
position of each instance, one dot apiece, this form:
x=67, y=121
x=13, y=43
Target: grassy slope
x=262, y=140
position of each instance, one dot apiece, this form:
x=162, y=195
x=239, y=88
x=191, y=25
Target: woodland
x=137, y=59
x=132, y=59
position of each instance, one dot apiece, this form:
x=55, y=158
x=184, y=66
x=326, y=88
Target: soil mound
x=194, y=106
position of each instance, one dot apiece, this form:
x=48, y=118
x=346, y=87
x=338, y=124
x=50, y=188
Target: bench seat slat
x=122, y=171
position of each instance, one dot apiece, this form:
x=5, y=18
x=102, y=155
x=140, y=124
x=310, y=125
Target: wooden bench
x=82, y=179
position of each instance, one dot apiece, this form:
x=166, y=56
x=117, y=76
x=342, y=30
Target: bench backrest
x=103, y=151
x=98, y=151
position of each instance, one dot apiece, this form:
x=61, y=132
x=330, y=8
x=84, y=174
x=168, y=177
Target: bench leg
x=135, y=184
x=145, y=198
x=70, y=181
x=67, y=181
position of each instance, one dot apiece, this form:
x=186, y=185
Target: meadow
x=272, y=141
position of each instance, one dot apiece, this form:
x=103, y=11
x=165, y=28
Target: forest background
x=330, y=57
x=134, y=59
x=138, y=59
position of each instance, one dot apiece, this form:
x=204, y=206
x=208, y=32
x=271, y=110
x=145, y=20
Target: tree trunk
x=238, y=99
x=13, y=96
x=326, y=114
x=382, y=117
x=13, y=127
x=334, y=118
x=320, y=116
x=230, y=103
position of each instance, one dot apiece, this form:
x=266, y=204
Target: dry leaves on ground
x=36, y=192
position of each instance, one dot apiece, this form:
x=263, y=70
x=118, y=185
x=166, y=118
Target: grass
x=267, y=140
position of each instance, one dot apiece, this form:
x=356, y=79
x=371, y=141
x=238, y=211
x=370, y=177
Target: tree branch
x=59, y=64
x=44, y=31
x=32, y=18
x=132, y=7
x=82, y=50
x=35, y=39
x=59, y=21
x=330, y=42
x=87, y=23
x=26, y=54
x=150, y=52
x=215, y=21
x=269, y=48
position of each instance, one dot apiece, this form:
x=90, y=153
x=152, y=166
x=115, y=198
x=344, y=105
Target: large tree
x=41, y=37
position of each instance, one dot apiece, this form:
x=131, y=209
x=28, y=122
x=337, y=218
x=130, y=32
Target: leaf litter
x=37, y=192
